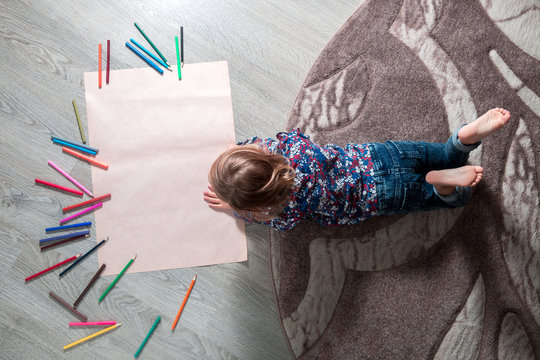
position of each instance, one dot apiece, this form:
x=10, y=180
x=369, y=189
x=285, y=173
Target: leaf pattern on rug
x=463, y=339
x=514, y=343
x=521, y=214
x=335, y=101
x=524, y=92
x=515, y=18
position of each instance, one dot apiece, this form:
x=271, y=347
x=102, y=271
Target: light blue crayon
x=96, y=150
x=150, y=54
x=73, y=146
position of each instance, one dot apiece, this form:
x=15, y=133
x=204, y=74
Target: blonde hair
x=252, y=180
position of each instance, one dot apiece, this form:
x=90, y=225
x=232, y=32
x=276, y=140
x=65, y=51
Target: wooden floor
x=45, y=47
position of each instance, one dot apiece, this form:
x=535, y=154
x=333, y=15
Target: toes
x=479, y=173
x=505, y=113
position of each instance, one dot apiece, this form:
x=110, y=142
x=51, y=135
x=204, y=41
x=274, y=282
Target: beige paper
x=160, y=136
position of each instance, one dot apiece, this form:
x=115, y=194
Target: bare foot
x=486, y=124
x=445, y=181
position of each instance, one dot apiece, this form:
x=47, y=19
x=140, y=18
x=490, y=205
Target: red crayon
x=88, y=202
x=53, y=267
x=108, y=58
x=60, y=187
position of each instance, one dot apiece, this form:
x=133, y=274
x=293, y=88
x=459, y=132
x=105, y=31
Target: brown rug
x=448, y=284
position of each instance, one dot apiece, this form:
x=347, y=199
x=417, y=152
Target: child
x=280, y=182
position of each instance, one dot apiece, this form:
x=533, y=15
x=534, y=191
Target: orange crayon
x=85, y=158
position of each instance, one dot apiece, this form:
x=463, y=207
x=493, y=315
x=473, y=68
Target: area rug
x=447, y=284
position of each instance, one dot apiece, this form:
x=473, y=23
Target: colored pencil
x=47, y=247
x=84, y=148
x=63, y=237
x=79, y=121
x=85, y=158
x=117, y=278
x=152, y=44
x=92, y=281
x=80, y=213
x=178, y=59
x=148, y=61
x=88, y=202
x=183, y=302
x=83, y=257
x=93, y=323
x=76, y=147
x=68, y=227
x=70, y=178
x=92, y=336
x=108, y=60
x=151, y=55
x=59, y=187
x=148, y=336
x=68, y=307
x=52, y=267
x=182, y=45
x=99, y=66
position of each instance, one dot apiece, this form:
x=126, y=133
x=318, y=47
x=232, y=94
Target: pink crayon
x=57, y=168
x=80, y=213
x=90, y=323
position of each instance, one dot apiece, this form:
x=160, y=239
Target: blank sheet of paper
x=160, y=135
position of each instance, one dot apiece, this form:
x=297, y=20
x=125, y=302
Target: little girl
x=279, y=182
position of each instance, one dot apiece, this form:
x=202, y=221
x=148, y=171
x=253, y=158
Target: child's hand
x=213, y=201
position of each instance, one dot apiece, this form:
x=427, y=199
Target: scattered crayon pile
x=161, y=60
x=80, y=230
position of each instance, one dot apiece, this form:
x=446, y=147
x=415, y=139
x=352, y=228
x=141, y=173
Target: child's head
x=251, y=179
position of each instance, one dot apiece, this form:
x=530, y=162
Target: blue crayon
x=148, y=61
x=67, y=227
x=64, y=237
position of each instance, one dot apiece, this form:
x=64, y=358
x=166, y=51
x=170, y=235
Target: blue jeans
x=400, y=169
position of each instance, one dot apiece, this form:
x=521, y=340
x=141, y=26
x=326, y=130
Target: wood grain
x=46, y=46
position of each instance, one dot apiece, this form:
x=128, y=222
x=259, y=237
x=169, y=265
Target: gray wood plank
x=45, y=47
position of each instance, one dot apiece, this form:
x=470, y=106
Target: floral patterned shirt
x=332, y=185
